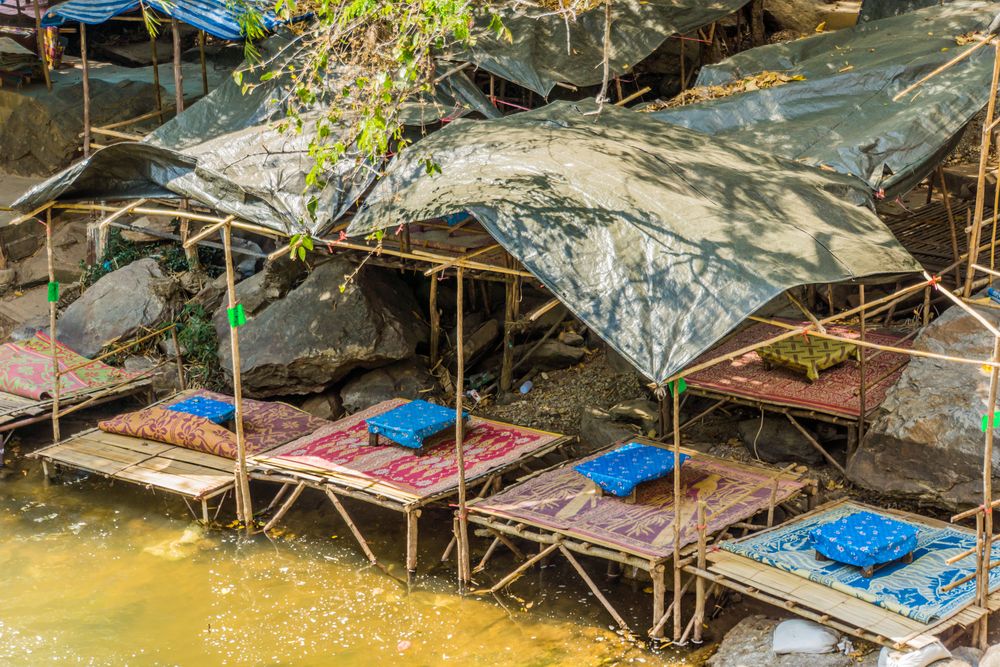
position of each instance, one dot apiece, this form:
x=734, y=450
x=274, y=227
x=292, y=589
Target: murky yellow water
x=97, y=574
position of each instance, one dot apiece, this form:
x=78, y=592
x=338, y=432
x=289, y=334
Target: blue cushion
x=212, y=410
x=410, y=424
x=864, y=539
x=619, y=471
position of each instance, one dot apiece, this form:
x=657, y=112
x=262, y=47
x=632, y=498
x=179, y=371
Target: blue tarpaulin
x=216, y=17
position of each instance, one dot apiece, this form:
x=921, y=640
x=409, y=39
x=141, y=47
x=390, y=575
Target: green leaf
x=302, y=253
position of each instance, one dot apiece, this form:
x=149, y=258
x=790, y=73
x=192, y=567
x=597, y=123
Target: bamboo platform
x=192, y=475
x=17, y=411
x=559, y=513
x=352, y=479
x=828, y=606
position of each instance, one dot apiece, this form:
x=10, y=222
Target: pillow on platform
x=174, y=428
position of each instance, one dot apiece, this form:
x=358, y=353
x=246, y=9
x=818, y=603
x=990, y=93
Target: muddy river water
x=110, y=575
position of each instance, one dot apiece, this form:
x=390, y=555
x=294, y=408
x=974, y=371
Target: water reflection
x=101, y=574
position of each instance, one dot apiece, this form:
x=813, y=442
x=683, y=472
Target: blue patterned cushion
x=410, y=424
x=619, y=471
x=214, y=411
x=864, y=539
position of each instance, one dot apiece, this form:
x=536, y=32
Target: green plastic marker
x=53, y=292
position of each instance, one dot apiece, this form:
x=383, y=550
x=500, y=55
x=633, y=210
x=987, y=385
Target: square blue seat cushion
x=864, y=539
x=214, y=411
x=411, y=424
x=621, y=470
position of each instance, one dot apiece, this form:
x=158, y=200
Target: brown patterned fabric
x=265, y=426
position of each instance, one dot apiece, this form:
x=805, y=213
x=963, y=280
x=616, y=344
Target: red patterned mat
x=836, y=390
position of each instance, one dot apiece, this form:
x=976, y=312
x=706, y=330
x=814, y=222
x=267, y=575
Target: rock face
x=802, y=16
x=118, y=306
x=775, y=441
x=551, y=355
x=597, y=429
x=316, y=335
x=69, y=249
x=926, y=442
x=405, y=379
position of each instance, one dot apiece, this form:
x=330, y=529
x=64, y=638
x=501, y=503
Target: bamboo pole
x=983, y=569
x=154, y=56
x=659, y=576
x=40, y=40
x=52, y=330
x=678, y=503
x=699, y=586
x=435, y=321
x=954, y=61
x=204, y=65
x=242, y=481
x=175, y=34
x=464, y=562
x=512, y=309
x=863, y=411
x=85, y=65
x=984, y=154
x=952, y=228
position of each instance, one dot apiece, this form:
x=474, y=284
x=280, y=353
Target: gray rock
x=551, y=355
x=69, y=249
x=991, y=658
x=481, y=340
x=571, y=338
x=748, y=644
x=325, y=406
x=598, y=430
x=158, y=226
x=405, y=379
x=316, y=335
x=802, y=16
x=969, y=654
x=637, y=411
x=7, y=278
x=926, y=441
x=118, y=306
x=776, y=441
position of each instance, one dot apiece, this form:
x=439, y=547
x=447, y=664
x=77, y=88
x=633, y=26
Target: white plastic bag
x=919, y=658
x=798, y=635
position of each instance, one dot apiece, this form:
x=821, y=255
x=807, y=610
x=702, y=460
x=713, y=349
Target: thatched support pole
x=464, y=561
x=175, y=34
x=52, y=329
x=85, y=65
x=242, y=493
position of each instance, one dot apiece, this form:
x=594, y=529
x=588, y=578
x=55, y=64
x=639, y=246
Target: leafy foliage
x=197, y=337
x=119, y=252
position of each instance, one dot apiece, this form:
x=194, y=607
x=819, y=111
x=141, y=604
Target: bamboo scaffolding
x=175, y=35
x=977, y=221
x=85, y=64
x=678, y=510
x=52, y=328
x=464, y=560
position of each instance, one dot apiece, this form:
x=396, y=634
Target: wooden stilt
x=927, y=306
x=699, y=584
x=56, y=376
x=464, y=562
x=283, y=510
x=863, y=408
x=157, y=95
x=952, y=227
x=40, y=40
x=658, y=573
x=85, y=65
x=351, y=526
x=277, y=497
x=435, y=316
x=818, y=447
x=512, y=309
x=204, y=65
x=594, y=589
x=242, y=479
x=486, y=556
x=412, y=519
x=178, y=358
x=678, y=511
x=516, y=572
x=983, y=570
x=984, y=154
x=175, y=34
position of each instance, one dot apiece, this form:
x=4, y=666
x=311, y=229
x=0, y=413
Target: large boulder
x=404, y=379
x=118, y=306
x=315, y=335
x=926, y=442
x=775, y=440
x=749, y=643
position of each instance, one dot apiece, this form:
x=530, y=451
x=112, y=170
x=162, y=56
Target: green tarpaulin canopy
x=660, y=239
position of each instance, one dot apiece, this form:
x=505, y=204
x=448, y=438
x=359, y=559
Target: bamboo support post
x=952, y=228
x=157, y=95
x=699, y=586
x=486, y=556
x=594, y=589
x=658, y=573
x=412, y=521
x=662, y=622
x=52, y=330
x=242, y=481
x=678, y=509
x=863, y=403
x=178, y=358
x=516, y=572
x=351, y=526
x=984, y=150
x=818, y=447
x=435, y=342
x=40, y=40
x=983, y=570
x=85, y=80
x=296, y=492
x=511, y=313
x=175, y=35
x=204, y=65
x=207, y=231
x=464, y=561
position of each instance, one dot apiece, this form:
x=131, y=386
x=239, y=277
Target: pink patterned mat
x=563, y=500
x=342, y=448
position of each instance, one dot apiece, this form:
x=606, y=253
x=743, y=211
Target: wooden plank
x=160, y=473
x=148, y=447
x=202, y=459
x=105, y=451
x=80, y=459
